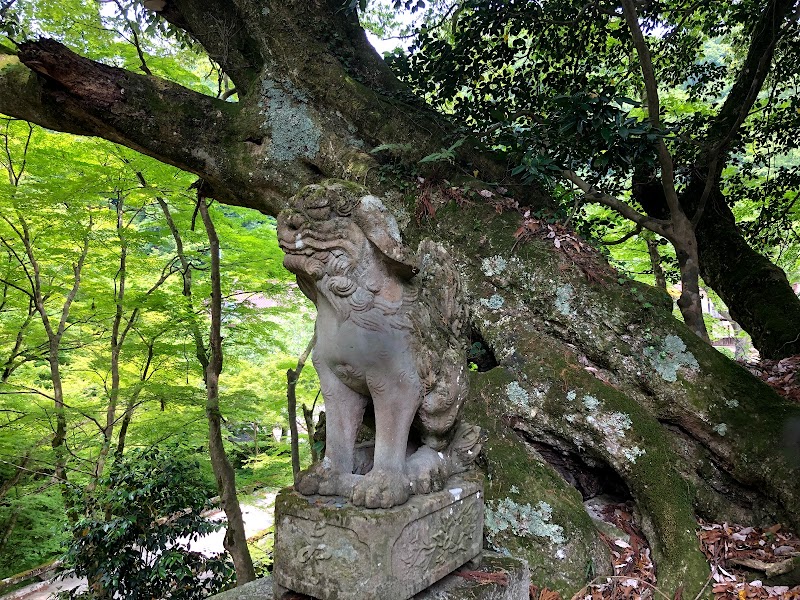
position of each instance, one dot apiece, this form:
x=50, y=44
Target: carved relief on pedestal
x=334, y=550
x=427, y=544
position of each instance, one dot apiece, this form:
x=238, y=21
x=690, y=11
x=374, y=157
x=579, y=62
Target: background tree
x=551, y=85
x=235, y=538
x=158, y=383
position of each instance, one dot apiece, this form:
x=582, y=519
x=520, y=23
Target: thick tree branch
x=659, y=226
x=48, y=84
x=324, y=99
x=63, y=91
x=222, y=29
x=750, y=79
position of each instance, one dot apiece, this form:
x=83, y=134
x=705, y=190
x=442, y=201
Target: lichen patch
x=518, y=395
x=672, y=356
x=590, y=402
x=564, y=294
x=522, y=520
x=293, y=132
x=612, y=427
x=633, y=453
x=494, y=303
x=493, y=265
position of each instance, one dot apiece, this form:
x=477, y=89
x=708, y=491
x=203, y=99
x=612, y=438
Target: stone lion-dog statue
x=390, y=347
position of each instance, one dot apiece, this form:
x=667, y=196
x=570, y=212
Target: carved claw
x=320, y=479
x=428, y=470
x=381, y=489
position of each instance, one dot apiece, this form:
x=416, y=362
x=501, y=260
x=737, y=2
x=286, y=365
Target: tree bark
x=689, y=303
x=756, y=291
x=235, y=540
x=9, y=526
x=585, y=368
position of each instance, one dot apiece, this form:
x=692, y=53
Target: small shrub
x=130, y=541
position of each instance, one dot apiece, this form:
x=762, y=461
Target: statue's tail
x=441, y=331
x=465, y=447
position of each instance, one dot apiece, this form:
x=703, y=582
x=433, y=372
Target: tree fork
x=757, y=293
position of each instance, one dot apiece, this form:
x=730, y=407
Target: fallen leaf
x=548, y=594
x=498, y=577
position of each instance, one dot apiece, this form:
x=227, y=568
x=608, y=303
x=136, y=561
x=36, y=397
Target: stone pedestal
x=456, y=586
x=332, y=550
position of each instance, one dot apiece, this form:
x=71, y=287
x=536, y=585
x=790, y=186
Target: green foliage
x=36, y=538
x=130, y=541
x=67, y=183
x=261, y=551
x=445, y=154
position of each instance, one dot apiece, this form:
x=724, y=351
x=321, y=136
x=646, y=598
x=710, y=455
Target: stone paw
x=381, y=489
x=319, y=478
x=428, y=470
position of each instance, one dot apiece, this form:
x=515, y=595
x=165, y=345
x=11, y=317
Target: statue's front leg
x=344, y=412
x=395, y=398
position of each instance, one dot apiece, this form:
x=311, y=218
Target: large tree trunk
x=757, y=292
x=585, y=368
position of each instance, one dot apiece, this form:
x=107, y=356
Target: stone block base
x=453, y=587
x=331, y=550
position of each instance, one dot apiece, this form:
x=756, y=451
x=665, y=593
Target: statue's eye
x=318, y=213
x=320, y=202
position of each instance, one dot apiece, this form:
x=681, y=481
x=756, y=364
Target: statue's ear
x=381, y=229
